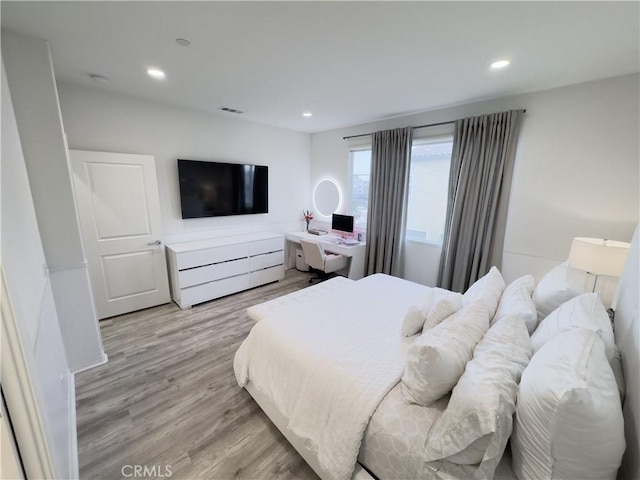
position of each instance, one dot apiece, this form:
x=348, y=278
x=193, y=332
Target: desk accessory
x=308, y=216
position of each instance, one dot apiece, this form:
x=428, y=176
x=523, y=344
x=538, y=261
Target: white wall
x=576, y=171
x=31, y=295
x=30, y=77
x=96, y=119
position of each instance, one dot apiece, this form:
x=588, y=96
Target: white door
x=119, y=210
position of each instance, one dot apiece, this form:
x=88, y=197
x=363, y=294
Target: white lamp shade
x=598, y=256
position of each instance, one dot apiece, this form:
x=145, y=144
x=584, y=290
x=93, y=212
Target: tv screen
x=342, y=223
x=214, y=189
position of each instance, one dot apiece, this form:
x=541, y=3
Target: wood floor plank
x=168, y=396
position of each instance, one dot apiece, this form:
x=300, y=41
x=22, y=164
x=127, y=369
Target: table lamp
x=598, y=256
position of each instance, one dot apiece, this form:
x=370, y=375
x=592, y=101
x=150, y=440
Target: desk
x=329, y=243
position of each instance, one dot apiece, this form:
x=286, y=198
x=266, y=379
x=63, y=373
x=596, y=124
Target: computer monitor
x=342, y=223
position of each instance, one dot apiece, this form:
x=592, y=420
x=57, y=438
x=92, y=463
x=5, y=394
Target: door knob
x=157, y=242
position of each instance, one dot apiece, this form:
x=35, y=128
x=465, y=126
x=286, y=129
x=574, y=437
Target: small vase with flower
x=308, y=216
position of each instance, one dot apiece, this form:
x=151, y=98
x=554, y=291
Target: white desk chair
x=316, y=258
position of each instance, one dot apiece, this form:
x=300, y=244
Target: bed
x=339, y=342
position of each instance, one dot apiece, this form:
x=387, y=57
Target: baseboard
x=103, y=359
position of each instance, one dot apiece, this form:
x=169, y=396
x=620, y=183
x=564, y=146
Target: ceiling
x=346, y=62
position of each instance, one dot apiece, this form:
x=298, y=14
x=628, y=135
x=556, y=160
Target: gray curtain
x=388, y=187
x=484, y=150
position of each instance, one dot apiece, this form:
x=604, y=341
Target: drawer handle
x=157, y=242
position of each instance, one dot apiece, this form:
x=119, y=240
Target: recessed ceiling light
x=98, y=78
x=499, y=64
x=155, y=73
x=183, y=42
x=307, y=114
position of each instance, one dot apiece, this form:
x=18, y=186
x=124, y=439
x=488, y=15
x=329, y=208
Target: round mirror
x=327, y=197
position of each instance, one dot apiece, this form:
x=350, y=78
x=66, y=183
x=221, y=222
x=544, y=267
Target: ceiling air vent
x=230, y=110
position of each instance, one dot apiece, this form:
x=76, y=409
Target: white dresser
x=212, y=268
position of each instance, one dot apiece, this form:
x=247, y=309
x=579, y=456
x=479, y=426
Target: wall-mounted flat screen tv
x=214, y=189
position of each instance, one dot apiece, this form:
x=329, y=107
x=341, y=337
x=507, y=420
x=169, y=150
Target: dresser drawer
x=209, y=273
x=266, y=260
x=209, y=291
x=266, y=246
x=267, y=275
x=211, y=255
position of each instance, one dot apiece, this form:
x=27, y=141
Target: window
x=360, y=161
x=428, y=186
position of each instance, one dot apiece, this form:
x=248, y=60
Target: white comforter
x=327, y=365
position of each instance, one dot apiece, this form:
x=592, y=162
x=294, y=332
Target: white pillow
x=583, y=311
x=443, y=308
x=413, y=321
x=569, y=420
x=436, y=360
x=516, y=300
x=526, y=280
x=556, y=287
x=478, y=420
x=488, y=289
x=416, y=315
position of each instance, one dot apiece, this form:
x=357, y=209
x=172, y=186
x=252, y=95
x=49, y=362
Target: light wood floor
x=168, y=396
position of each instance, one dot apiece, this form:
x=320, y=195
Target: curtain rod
x=419, y=126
